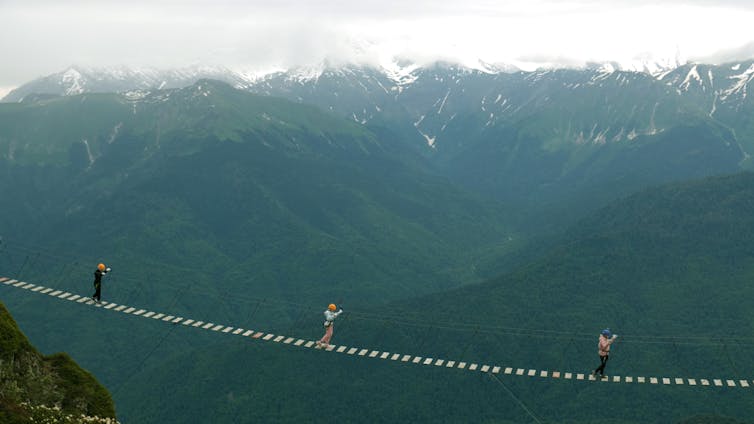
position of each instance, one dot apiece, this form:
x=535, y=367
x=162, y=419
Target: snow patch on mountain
x=135, y=95
x=600, y=76
x=400, y=75
x=114, y=133
x=607, y=67
x=496, y=68
x=693, y=74
x=73, y=82
x=714, y=105
x=442, y=105
x=306, y=73
x=88, y=151
x=4, y=91
x=430, y=140
x=202, y=90
x=490, y=120
x=653, y=67
x=739, y=87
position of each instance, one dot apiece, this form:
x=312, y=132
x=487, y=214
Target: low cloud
x=45, y=36
x=743, y=52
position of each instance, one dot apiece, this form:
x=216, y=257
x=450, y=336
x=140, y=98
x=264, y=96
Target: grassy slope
x=28, y=376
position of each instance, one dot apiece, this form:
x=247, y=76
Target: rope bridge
x=492, y=369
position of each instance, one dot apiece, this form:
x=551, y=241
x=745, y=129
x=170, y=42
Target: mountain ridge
x=423, y=104
x=77, y=79
x=573, y=128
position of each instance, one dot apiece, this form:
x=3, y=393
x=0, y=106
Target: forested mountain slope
x=668, y=269
x=236, y=187
x=256, y=211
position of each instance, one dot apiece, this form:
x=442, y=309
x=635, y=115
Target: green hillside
x=669, y=269
x=35, y=385
x=175, y=122
x=268, y=195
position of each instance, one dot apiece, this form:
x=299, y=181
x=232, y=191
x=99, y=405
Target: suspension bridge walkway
x=492, y=369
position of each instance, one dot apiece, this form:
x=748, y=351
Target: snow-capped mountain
x=446, y=108
x=78, y=80
x=727, y=83
x=448, y=105
x=544, y=136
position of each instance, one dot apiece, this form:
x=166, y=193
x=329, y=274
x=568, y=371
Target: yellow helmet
x=101, y=267
x=331, y=307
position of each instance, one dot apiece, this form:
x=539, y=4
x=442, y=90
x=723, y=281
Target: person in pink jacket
x=606, y=339
x=330, y=316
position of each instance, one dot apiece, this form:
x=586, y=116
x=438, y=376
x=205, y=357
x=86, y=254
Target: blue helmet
x=606, y=332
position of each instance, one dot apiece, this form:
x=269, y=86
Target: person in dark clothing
x=98, y=273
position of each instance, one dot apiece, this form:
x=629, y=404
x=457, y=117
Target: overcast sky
x=39, y=37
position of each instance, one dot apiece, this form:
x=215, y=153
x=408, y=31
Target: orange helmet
x=101, y=267
x=331, y=307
